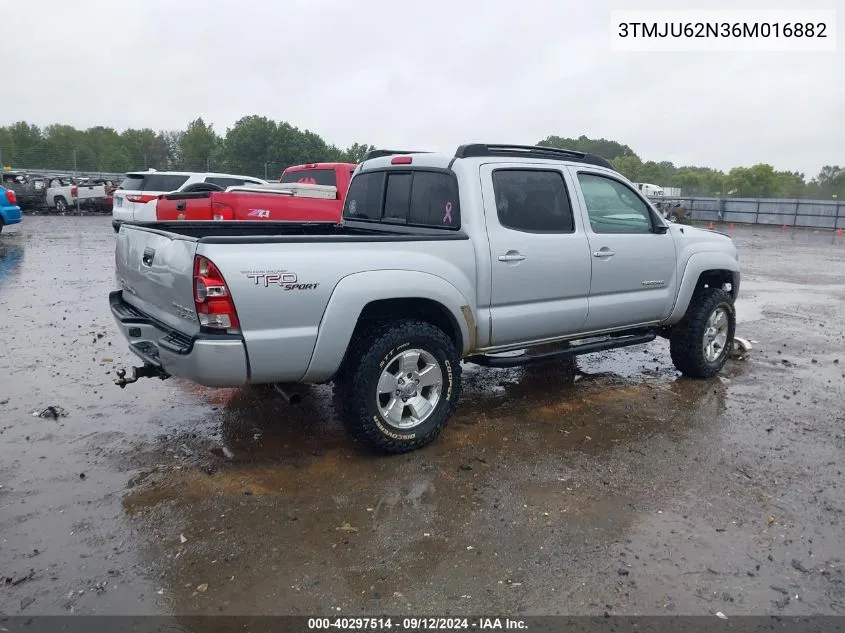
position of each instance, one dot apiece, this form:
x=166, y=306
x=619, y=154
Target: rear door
x=633, y=264
x=539, y=253
x=155, y=270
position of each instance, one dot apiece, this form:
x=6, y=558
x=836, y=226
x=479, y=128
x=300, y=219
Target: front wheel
x=400, y=385
x=700, y=342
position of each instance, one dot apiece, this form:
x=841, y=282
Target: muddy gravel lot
x=611, y=487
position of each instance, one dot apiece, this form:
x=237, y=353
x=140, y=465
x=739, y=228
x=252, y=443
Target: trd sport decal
x=281, y=278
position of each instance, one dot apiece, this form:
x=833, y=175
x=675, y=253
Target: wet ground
x=617, y=488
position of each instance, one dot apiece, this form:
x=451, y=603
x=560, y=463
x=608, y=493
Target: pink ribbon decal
x=448, y=216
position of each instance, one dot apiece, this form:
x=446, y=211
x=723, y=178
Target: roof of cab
x=384, y=157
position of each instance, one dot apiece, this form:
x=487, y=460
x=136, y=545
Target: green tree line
x=253, y=146
x=757, y=181
x=258, y=146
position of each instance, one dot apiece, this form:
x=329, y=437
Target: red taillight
x=220, y=211
x=141, y=199
x=401, y=160
x=11, y=197
x=215, y=307
x=74, y=192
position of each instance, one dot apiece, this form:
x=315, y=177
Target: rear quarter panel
x=281, y=321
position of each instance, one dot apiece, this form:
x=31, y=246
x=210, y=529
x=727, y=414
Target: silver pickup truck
x=441, y=259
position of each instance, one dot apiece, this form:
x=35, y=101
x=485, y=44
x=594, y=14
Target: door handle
x=511, y=257
x=147, y=257
x=604, y=253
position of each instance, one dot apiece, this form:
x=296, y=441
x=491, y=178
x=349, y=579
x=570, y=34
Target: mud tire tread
x=353, y=388
x=685, y=341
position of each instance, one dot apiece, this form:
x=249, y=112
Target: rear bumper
x=10, y=215
x=213, y=360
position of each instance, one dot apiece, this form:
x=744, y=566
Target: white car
x=135, y=199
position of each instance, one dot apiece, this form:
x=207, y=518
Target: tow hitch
x=145, y=371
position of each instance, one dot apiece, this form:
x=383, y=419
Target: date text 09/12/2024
x=416, y=624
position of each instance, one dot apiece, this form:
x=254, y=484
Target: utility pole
x=76, y=180
x=265, y=170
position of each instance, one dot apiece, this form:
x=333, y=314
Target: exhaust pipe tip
x=293, y=398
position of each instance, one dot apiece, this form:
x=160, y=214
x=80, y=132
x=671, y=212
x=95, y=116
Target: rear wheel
x=399, y=385
x=61, y=204
x=700, y=342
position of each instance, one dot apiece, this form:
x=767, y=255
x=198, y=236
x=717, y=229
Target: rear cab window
x=419, y=197
x=308, y=176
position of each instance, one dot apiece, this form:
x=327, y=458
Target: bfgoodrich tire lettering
x=357, y=384
x=687, y=341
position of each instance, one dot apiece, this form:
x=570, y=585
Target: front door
x=633, y=265
x=540, y=258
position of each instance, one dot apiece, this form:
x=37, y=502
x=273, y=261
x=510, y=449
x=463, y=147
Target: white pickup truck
x=440, y=259
x=63, y=193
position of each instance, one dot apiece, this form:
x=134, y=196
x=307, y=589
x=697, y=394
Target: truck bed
x=278, y=202
x=269, y=232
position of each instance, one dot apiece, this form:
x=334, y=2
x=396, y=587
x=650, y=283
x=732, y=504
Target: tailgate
x=189, y=206
x=90, y=191
x=155, y=270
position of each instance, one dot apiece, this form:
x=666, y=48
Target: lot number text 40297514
x=416, y=624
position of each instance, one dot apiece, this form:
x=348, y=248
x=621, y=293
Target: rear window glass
x=398, y=197
x=364, y=198
x=434, y=200
x=133, y=183
x=420, y=198
x=311, y=177
x=163, y=182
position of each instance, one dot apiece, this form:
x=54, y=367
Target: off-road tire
x=686, y=342
x=355, y=384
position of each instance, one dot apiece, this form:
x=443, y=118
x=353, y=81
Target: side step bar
x=611, y=342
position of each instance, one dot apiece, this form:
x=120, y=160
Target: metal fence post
x=836, y=219
x=757, y=212
x=795, y=217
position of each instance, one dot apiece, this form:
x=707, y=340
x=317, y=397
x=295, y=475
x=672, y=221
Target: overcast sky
x=428, y=75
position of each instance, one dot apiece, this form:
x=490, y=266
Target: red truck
x=312, y=192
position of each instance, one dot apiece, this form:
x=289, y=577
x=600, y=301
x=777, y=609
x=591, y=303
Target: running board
x=612, y=342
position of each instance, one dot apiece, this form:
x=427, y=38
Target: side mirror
x=661, y=229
